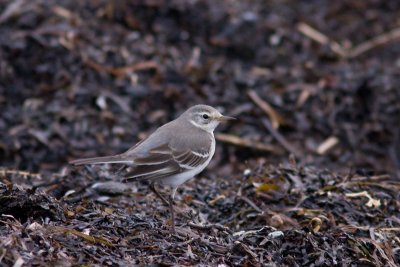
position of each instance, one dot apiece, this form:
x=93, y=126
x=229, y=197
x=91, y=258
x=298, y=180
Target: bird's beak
x=225, y=118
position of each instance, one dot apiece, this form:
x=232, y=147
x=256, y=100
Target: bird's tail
x=99, y=160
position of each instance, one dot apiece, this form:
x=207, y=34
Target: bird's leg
x=171, y=209
x=153, y=188
x=169, y=203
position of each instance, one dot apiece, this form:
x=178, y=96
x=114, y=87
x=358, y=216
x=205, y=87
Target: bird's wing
x=164, y=161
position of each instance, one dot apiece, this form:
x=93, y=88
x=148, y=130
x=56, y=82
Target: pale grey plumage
x=166, y=146
x=174, y=153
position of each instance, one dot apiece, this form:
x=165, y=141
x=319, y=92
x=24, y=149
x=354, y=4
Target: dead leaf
x=265, y=187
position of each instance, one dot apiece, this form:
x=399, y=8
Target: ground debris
x=307, y=175
x=24, y=205
x=320, y=224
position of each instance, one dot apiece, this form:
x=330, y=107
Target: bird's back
x=167, y=135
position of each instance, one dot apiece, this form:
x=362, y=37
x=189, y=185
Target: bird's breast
x=180, y=178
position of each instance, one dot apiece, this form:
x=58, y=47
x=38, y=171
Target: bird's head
x=205, y=117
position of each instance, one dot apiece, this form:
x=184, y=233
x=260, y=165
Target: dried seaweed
x=317, y=80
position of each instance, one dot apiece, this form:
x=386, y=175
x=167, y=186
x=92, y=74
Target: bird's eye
x=206, y=117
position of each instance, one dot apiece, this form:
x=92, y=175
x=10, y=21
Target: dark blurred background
x=90, y=78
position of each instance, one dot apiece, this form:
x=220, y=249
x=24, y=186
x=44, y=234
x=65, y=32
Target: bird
x=176, y=152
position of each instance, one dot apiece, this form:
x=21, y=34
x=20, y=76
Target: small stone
x=275, y=234
x=247, y=172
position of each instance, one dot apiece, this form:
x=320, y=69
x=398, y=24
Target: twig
x=389, y=185
x=14, y=8
x=89, y=238
x=356, y=51
x=321, y=38
x=388, y=229
x=372, y=202
x=327, y=145
x=237, y=141
x=276, y=119
x=24, y=174
x=379, y=40
x=367, y=228
x=145, y=65
x=374, y=177
x=119, y=71
x=279, y=137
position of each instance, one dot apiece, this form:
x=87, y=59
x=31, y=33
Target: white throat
x=208, y=128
